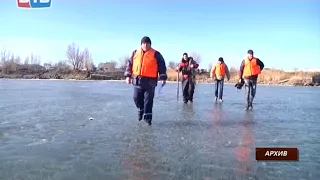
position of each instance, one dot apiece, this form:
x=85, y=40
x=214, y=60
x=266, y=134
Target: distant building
x=47, y=66
x=107, y=67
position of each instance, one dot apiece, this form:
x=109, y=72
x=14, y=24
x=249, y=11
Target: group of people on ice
x=146, y=66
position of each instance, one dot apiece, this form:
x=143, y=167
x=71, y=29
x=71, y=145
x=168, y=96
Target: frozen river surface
x=46, y=134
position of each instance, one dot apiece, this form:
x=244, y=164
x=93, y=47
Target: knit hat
x=145, y=39
x=220, y=59
x=250, y=52
x=185, y=54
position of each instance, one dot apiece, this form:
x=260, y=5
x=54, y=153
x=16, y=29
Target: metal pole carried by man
x=218, y=73
x=143, y=69
x=250, y=68
x=187, y=66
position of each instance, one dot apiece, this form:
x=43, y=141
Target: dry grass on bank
x=270, y=76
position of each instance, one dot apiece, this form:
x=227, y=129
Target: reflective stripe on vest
x=145, y=64
x=251, y=68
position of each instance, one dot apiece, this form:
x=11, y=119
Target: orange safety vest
x=251, y=68
x=145, y=64
x=220, y=69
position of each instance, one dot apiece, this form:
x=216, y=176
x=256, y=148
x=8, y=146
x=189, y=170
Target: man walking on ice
x=250, y=69
x=143, y=69
x=187, y=66
x=218, y=73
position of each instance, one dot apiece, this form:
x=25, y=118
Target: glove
x=128, y=80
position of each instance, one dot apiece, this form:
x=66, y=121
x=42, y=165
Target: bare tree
x=34, y=59
x=26, y=60
x=5, y=54
x=172, y=64
x=196, y=56
x=11, y=58
x=10, y=62
x=122, y=62
x=61, y=65
x=17, y=59
x=75, y=57
x=210, y=66
x=8, y=56
x=87, y=60
x=113, y=62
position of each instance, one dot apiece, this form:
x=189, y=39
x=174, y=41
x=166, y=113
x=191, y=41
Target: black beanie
x=250, y=52
x=185, y=54
x=220, y=59
x=145, y=39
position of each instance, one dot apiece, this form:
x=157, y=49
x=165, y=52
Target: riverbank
x=171, y=82
x=267, y=77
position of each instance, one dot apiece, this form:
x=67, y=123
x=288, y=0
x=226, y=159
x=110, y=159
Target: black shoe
x=185, y=101
x=140, y=116
x=250, y=106
x=247, y=107
x=148, y=121
x=191, y=100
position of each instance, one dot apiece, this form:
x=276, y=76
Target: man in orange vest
x=250, y=68
x=143, y=69
x=218, y=73
x=187, y=66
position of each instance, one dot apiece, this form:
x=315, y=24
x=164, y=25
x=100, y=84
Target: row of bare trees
x=75, y=58
x=79, y=59
x=10, y=62
x=83, y=59
x=7, y=56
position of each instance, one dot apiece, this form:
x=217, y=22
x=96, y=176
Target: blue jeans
x=219, y=88
x=250, y=90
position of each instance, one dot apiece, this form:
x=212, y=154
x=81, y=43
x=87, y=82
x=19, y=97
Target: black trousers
x=143, y=95
x=250, y=90
x=188, y=87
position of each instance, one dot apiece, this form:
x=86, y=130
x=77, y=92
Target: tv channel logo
x=34, y=3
